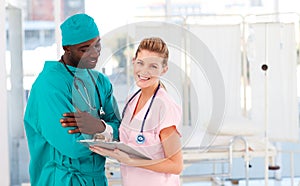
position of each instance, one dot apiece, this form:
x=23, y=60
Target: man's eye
x=84, y=50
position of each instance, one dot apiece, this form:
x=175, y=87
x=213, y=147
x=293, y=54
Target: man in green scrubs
x=69, y=85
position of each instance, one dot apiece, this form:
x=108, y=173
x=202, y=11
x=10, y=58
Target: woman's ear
x=165, y=69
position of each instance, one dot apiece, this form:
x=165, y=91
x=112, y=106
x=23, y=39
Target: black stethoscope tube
x=140, y=138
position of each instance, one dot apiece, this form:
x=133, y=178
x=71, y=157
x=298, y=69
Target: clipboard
x=114, y=145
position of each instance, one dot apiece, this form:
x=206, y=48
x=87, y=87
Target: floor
x=259, y=182
x=271, y=182
x=283, y=182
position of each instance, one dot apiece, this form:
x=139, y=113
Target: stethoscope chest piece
x=140, y=139
x=101, y=111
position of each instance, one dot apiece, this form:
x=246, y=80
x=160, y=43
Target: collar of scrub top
x=140, y=139
x=87, y=100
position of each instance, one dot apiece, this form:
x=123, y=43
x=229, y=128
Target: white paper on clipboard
x=114, y=145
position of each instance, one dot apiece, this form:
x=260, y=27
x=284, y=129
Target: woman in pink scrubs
x=150, y=124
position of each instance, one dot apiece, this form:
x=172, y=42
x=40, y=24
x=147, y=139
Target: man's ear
x=66, y=48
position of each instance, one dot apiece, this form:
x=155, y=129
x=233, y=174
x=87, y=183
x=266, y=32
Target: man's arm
x=48, y=100
x=86, y=123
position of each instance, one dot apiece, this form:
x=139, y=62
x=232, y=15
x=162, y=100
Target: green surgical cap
x=77, y=29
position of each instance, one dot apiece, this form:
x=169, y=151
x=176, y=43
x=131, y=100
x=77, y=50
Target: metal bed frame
x=223, y=154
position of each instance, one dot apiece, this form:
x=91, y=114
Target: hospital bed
x=223, y=150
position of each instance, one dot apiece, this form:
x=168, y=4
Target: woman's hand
x=122, y=157
x=83, y=122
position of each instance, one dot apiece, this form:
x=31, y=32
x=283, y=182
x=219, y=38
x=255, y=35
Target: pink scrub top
x=163, y=113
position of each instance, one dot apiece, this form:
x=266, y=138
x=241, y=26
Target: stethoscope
x=140, y=139
x=86, y=99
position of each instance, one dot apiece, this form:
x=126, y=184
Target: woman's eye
x=154, y=66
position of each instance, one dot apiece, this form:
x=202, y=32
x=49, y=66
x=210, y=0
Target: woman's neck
x=147, y=92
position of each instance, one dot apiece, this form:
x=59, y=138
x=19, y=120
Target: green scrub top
x=56, y=158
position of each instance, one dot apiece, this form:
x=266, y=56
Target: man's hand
x=83, y=121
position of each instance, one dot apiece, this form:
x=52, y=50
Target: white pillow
x=240, y=127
